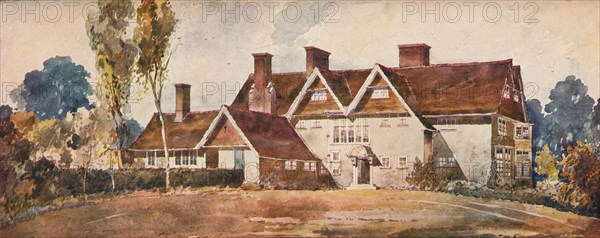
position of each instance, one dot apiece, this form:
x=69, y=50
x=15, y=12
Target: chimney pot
x=316, y=57
x=414, y=55
x=182, y=101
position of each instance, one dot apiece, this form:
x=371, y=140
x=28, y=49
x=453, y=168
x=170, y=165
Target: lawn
x=219, y=212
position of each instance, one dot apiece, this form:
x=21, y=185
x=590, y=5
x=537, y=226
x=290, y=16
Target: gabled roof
x=267, y=135
x=448, y=89
x=435, y=90
x=180, y=135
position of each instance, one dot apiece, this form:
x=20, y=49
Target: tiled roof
x=441, y=89
x=271, y=136
x=180, y=135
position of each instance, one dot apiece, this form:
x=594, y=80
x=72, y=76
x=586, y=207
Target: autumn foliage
x=582, y=170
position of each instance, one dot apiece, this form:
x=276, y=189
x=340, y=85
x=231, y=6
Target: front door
x=238, y=159
x=364, y=172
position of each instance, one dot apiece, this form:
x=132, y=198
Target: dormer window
x=506, y=92
x=380, y=92
x=319, y=95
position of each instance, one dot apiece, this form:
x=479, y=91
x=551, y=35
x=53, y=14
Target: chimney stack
x=316, y=57
x=262, y=96
x=414, y=55
x=182, y=101
x=262, y=69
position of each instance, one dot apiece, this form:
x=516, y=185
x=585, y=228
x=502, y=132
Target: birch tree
x=156, y=23
x=115, y=61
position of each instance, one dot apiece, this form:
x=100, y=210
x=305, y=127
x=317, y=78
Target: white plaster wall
x=393, y=141
x=251, y=165
x=226, y=160
x=471, y=145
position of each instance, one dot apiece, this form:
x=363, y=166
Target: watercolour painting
x=146, y=118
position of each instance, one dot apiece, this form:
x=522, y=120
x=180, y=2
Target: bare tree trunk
x=84, y=183
x=164, y=139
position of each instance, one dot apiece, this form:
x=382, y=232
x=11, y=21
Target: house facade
x=370, y=126
x=360, y=128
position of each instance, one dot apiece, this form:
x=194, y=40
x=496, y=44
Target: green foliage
x=424, y=175
x=115, y=60
x=546, y=164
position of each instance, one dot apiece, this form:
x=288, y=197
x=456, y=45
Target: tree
x=115, y=61
x=14, y=152
x=568, y=118
x=156, y=23
x=546, y=164
x=596, y=129
x=60, y=88
x=535, y=115
x=581, y=168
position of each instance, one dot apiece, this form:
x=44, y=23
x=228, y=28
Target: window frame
x=380, y=93
x=318, y=95
x=502, y=126
x=385, y=165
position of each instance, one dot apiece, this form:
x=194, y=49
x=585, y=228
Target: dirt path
x=307, y=213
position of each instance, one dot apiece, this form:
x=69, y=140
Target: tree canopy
x=61, y=87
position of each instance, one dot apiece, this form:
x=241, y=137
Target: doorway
x=364, y=172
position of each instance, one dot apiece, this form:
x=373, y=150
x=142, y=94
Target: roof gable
x=303, y=99
x=225, y=134
x=368, y=104
x=267, y=135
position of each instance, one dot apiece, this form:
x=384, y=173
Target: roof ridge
x=457, y=64
x=252, y=112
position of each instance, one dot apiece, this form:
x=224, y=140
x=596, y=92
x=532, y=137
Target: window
x=185, y=157
x=385, y=162
x=506, y=91
x=316, y=124
x=177, y=158
x=310, y=166
x=336, y=134
x=300, y=125
x=291, y=165
x=335, y=156
x=336, y=171
x=402, y=121
x=501, y=127
x=319, y=95
x=385, y=123
x=516, y=95
x=446, y=162
x=503, y=162
x=151, y=155
x=402, y=162
x=350, y=132
x=522, y=132
x=523, y=164
x=379, y=93
x=193, y=158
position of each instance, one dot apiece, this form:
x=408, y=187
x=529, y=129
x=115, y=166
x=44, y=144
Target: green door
x=238, y=159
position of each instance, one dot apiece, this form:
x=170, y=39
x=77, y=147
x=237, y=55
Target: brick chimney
x=262, y=69
x=182, y=101
x=262, y=96
x=316, y=58
x=412, y=55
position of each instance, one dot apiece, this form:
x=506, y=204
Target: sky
x=213, y=42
